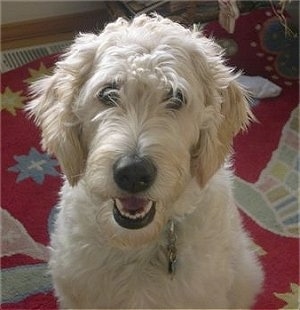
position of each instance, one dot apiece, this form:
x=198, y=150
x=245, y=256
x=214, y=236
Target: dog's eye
x=175, y=100
x=109, y=95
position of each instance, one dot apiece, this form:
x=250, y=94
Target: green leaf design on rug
x=37, y=74
x=291, y=298
x=11, y=101
x=257, y=249
x=21, y=282
x=273, y=200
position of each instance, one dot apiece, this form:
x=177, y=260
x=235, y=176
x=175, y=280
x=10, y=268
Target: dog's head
x=135, y=113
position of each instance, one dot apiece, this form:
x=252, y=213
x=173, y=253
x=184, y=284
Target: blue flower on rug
x=35, y=165
x=275, y=40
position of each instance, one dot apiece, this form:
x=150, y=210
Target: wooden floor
x=36, y=41
x=48, y=30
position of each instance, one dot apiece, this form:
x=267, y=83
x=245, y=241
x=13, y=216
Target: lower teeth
x=134, y=221
x=136, y=215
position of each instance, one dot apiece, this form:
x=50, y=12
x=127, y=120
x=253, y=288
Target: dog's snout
x=133, y=173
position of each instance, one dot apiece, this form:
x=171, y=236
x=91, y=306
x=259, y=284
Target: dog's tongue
x=134, y=203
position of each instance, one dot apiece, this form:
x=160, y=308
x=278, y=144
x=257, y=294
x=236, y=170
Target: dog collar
x=172, y=251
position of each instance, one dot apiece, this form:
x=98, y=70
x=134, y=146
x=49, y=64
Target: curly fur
x=96, y=263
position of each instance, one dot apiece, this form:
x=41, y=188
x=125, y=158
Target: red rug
x=266, y=162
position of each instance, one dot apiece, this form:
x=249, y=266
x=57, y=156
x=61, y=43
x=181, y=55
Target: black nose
x=133, y=173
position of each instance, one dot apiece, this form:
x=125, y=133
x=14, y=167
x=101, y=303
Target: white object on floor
x=259, y=87
x=229, y=13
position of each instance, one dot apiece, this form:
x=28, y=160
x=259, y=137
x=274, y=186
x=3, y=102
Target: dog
x=141, y=118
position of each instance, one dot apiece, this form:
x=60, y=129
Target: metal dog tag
x=172, y=264
x=172, y=251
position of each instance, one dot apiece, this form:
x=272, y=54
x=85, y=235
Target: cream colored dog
x=141, y=118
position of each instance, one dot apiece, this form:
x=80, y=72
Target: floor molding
x=20, y=34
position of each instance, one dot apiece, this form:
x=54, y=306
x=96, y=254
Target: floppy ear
x=226, y=113
x=52, y=107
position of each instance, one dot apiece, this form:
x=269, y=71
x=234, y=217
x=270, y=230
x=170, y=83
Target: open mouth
x=133, y=212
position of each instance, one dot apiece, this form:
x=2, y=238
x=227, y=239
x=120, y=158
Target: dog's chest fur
x=107, y=277
x=141, y=118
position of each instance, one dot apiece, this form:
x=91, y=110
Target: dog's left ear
x=53, y=107
x=226, y=112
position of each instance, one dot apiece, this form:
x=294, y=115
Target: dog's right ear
x=52, y=107
x=225, y=106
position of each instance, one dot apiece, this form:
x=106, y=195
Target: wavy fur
x=95, y=263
